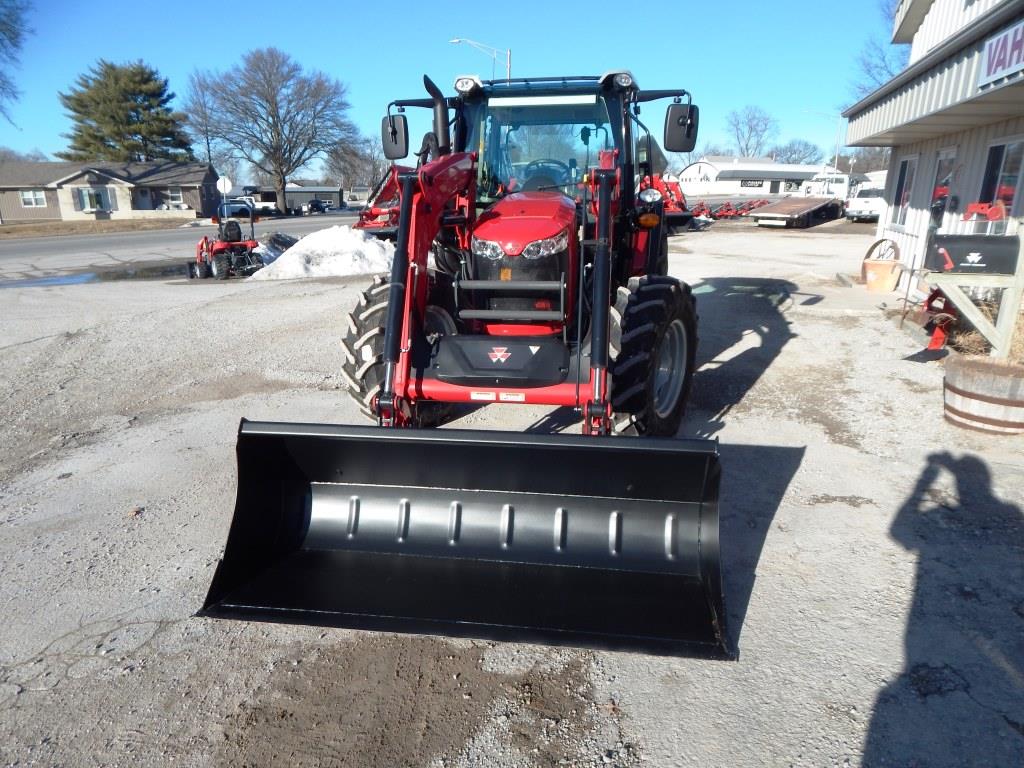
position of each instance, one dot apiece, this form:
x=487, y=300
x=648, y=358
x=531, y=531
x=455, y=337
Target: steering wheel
x=545, y=166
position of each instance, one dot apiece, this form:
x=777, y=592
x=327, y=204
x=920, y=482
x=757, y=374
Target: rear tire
x=654, y=341
x=363, y=350
x=221, y=266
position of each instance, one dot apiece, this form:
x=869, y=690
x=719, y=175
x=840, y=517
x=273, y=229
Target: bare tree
x=879, y=61
x=276, y=116
x=200, y=107
x=357, y=163
x=797, y=151
x=680, y=160
x=7, y=155
x=751, y=128
x=12, y=36
x=865, y=159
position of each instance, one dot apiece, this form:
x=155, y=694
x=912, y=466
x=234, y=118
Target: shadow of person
x=960, y=698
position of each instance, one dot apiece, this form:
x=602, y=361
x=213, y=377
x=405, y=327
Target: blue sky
x=793, y=58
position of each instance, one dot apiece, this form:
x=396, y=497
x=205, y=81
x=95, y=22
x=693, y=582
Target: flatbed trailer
x=797, y=212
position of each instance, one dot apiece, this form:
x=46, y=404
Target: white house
x=749, y=176
x=955, y=120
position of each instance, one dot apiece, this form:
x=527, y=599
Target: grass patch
x=52, y=228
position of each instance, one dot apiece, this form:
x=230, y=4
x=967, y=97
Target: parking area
x=873, y=554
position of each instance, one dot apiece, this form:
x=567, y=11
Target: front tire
x=654, y=343
x=363, y=349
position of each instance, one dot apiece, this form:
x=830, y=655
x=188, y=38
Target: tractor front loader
x=528, y=269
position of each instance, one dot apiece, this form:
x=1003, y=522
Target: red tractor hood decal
x=521, y=218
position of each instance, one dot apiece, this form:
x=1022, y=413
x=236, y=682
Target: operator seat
x=232, y=232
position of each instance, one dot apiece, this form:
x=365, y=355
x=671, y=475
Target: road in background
x=35, y=257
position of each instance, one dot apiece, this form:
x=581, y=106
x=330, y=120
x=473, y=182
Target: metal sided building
x=955, y=121
x=750, y=176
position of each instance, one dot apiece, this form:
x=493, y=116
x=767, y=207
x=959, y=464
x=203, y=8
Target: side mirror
x=394, y=136
x=681, y=127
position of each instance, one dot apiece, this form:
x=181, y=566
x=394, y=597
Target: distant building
x=955, y=120
x=750, y=176
x=299, y=193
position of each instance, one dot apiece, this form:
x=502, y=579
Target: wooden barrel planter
x=984, y=395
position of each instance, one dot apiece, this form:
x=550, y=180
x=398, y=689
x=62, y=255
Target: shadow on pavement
x=754, y=481
x=960, y=698
x=735, y=312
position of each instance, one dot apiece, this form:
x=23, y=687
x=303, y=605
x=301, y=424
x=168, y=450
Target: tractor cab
x=537, y=145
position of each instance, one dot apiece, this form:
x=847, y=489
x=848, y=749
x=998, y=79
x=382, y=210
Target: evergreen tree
x=121, y=113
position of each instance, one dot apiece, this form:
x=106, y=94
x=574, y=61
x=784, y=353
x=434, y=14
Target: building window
x=940, y=187
x=33, y=198
x=174, y=196
x=93, y=199
x=904, y=186
x=1003, y=175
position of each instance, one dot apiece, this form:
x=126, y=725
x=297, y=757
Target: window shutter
x=76, y=198
x=111, y=194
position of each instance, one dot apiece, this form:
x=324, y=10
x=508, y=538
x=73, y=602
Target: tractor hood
x=521, y=218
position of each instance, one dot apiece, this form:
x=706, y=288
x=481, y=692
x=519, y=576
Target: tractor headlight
x=650, y=195
x=540, y=248
x=488, y=249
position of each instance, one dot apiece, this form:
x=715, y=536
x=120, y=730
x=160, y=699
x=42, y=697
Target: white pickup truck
x=260, y=206
x=867, y=205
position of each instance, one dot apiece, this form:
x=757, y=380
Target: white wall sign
x=1002, y=55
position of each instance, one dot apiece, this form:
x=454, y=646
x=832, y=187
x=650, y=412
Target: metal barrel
x=561, y=539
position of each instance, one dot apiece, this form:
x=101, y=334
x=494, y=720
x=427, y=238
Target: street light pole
x=493, y=52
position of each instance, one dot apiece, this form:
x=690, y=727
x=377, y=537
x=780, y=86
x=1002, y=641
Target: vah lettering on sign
x=1002, y=55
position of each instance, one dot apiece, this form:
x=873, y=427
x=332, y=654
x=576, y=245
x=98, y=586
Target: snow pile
x=337, y=251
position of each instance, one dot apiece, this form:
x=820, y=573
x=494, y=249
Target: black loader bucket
x=599, y=542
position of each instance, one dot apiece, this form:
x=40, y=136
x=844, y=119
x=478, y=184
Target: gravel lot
x=873, y=554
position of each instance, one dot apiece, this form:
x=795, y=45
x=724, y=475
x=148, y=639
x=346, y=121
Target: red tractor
x=528, y=270
x=231, y=252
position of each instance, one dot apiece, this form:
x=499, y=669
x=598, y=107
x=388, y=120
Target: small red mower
x=230, y=253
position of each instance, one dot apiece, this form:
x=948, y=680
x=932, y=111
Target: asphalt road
x=35, y=257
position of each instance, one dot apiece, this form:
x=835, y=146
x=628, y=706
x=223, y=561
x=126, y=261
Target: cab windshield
x=537, y=142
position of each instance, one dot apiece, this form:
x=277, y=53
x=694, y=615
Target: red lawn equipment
x=725, y=211
x=549, y=287
x=702, y=210
x=230, y=253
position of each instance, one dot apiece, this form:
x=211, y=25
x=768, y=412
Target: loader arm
x=424, y=197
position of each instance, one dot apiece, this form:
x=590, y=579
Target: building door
x=774, y=188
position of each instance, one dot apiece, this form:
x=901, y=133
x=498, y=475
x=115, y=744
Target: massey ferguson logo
x=499, y=354
x=974, y=257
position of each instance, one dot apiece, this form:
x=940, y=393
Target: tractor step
x=597, y=542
